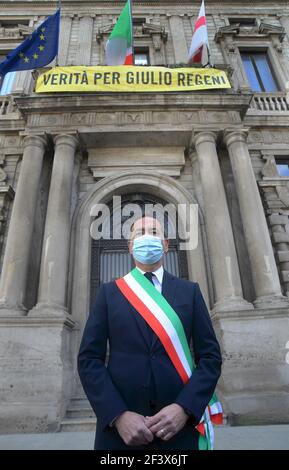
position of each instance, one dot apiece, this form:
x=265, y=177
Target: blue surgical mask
x=147, y=249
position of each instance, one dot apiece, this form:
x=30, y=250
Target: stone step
x=79, y=412
x=283, y=256
x=78, y=424
x=79, y=401
x=79, y=416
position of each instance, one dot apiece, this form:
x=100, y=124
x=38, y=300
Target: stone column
x=264, y=269
x=17, y=250
x=85, y=39
x=55, y=250
x=179, y=39
x=222, y=251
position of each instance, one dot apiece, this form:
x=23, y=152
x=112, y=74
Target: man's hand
x=167, y=422
x=133, y=429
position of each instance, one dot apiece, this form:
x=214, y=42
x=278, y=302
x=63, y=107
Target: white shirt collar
x=159, y=273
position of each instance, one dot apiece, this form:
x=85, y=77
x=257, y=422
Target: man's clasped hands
x=136, y=430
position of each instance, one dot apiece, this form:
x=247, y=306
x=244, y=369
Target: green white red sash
x=165, y=322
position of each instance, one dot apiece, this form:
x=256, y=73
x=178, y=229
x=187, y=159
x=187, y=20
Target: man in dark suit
x=139, y=399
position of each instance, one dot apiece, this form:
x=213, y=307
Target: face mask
x=147, y=249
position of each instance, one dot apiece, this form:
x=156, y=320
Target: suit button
x=153, y=356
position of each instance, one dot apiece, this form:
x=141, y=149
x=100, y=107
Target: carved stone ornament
x=232, y=30
x=157, y=32
x=255, y=31
x=269, y=169
x=3, y=175
x=104, y=31
x=283, y=194
x=270, y=29
x=18, y=31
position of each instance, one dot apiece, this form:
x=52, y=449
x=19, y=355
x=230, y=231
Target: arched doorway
x=125, y=183
x=110, y=259
x=148, y=184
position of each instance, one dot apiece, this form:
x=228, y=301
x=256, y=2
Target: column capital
x=192, y=154
x=71, y=140
x=33, y=140
x=232, y=136
x=86, y=15
x=201, y=137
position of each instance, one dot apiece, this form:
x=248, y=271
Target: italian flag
x=118, y=49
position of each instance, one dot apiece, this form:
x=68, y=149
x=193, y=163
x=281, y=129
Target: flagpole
x=58, y=8
x=132, y=46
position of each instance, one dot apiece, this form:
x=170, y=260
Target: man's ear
x=166, y=244
x=129, y=245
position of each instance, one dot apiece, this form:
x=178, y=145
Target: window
x=243, y=21
x=6, y=83
x=138, y=21
x=141, y=56
x=259, y=72
x=13, y=22
x=282, y=166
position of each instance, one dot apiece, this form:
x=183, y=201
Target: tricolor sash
x=165, y=322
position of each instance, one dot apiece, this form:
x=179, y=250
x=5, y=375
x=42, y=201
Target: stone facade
x=61, y=154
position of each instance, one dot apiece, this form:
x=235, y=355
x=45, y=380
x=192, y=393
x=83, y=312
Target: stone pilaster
x=54, y=261
x=65, y=31
x=85, y=39
x=222, y=251
x=22, y=82
x=17, y=250
x=179, y=39
x=263, y=265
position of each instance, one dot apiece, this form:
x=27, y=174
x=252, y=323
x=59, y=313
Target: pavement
x=270, y=437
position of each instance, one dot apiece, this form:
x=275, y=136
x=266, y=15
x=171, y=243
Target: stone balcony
x=10, y=116
x=268, y=109
x=270, y=102
x=7, y=105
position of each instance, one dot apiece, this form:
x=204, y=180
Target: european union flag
x=37, y=50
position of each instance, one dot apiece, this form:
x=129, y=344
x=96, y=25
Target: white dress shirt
x=157, y=278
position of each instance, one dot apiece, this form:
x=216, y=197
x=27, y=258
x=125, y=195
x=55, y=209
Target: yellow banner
x=130, y=79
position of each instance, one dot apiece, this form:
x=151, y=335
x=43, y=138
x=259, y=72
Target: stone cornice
x=106, y=101
x=171, y=3
x=256, y=314
x=169, y=118
x=138, y=2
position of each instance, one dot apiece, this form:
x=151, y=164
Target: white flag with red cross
x=199, y=50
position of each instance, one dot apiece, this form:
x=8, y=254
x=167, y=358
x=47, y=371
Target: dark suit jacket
x=135, y=360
